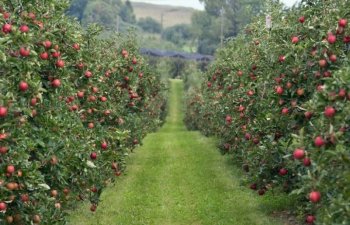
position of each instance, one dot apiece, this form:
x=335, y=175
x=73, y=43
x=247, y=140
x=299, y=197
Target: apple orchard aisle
x=176, y=177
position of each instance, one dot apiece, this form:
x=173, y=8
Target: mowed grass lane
x=177, y=177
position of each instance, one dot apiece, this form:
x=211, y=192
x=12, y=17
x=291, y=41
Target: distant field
x=172, y=14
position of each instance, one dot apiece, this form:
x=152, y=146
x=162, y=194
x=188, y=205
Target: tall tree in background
x=150, y=25
x=236, y=14
x=206, y=29
x=127, y=13
x=77, y=9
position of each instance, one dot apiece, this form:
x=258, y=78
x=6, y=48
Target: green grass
x=177, y=177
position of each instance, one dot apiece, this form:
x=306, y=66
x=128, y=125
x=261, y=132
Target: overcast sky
x=193, y=3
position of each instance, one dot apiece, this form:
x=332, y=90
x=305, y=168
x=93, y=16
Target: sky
x=193, y=3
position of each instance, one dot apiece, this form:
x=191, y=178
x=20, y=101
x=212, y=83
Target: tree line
x=220, y=20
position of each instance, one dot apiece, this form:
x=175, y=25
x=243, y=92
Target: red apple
x=93, y=208
x=342, y=93
x=3, y=206
x=6, y=15
x=93, y=189
x=295, y=40
x=322, y=63
x=329, y=111
x=24, y=29
x=56, y=83
x=343, y=22
x=47, y=44
x=24, y=197
x=80, y=94
x=118, y=173
x=283, y=172
x=253, y=186
x=228, y=119
x=44, y=56
x=10, y=169
x=7, y=28
x=91, y=125
x=298, y=153
x=285, y=111
x=3, y=150
x=33, y=101
x=60, y=63
x=124, y=52
x=76, y=46
x=261, y=192
x=93, y=155
x=300, y=91
x=23, y=86
x=104, y=145
x=279, y=90
x=103, y=99
x=88, y=74
x=308, y=115
x=24, y=52
x=56, y=54
x=31, y=15
x=92, y=98
x=281, y=58
x=310, y=219
x=302, y=19
x=307, y=162
x=319, y=141
x=346, y=39
x=107, y=112
x=333, y=58
x=315, y=196
x=3, y=111
x=331, y=38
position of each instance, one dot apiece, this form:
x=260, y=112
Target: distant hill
x=172, y=15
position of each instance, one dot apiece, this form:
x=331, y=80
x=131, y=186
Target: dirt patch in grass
x=287, y=217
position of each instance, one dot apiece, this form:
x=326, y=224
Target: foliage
x=232, y=15
x=266, y=96
x=127, y=13
x=71, y=108
x=177, y=34
x=103, y=12
x=77, y=9
x=150, y=25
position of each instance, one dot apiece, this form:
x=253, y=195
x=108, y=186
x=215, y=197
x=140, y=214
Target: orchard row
x=72, y=106
x=279, y=100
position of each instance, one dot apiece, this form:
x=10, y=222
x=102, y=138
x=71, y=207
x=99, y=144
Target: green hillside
x=172, y=15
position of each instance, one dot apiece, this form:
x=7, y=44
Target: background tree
x=236, y=14
x=150, y=25
x=178, y=34
x=77, y=9
x=103, y=12
x=127, y=13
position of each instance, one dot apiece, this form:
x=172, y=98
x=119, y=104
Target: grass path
x=177, y=177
